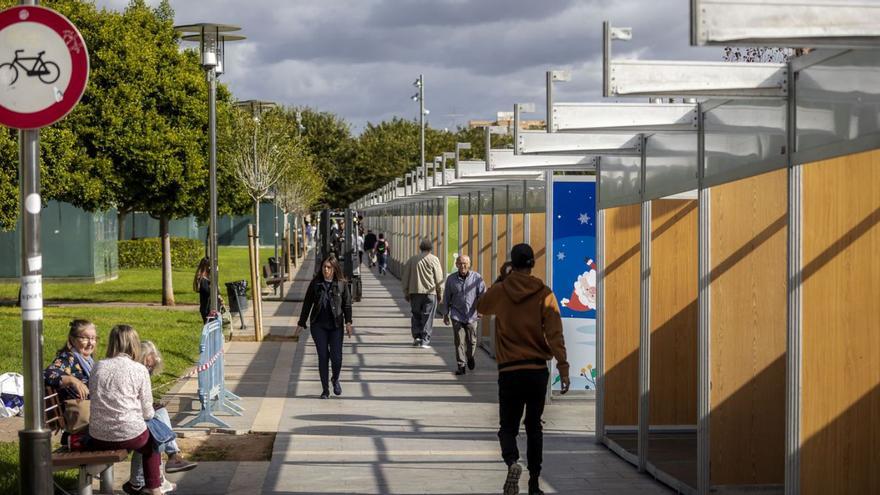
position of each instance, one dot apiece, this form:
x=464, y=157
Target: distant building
x=505, y=119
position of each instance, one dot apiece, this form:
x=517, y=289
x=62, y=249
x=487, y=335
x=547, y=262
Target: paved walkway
x=404, y=424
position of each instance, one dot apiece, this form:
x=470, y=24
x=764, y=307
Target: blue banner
x=574, y=276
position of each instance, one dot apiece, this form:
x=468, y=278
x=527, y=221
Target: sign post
x=44, y=67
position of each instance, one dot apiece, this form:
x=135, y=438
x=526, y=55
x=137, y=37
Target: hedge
x=147, y=253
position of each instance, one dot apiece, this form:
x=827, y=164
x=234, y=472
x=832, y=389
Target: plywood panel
x=502, y=241
x=538, y=241
x=840, y=419
x=486, y=248
x=674, y=312
x=621, y=276
x=517, y=231
x=748, y=330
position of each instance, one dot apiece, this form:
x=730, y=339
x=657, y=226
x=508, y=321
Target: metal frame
x=790, y=23
x=580, y=117
x=704, y=268
x=644, y=319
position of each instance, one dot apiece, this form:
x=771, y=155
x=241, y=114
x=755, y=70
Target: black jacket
x=340, y=302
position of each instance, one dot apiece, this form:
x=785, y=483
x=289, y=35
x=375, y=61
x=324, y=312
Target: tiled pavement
x=404, y=424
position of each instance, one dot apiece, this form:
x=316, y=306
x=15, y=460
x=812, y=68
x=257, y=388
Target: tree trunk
x=165, y=240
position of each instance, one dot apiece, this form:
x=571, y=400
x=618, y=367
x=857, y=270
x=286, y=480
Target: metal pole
x=212, y=163
x=422, y=128
x=645, y=319
x=549, y=117
x=35, y=455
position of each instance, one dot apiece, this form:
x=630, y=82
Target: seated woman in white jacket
x=121, y=401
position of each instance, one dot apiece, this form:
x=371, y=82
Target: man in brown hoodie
x=528, y=333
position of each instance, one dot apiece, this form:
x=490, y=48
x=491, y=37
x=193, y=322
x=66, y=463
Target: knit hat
x=522, y=256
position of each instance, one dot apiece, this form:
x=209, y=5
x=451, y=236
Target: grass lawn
x=176, y=333
x=144, y=285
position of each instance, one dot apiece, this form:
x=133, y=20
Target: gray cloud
x=357, y=58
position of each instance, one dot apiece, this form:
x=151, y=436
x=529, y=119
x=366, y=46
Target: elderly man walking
x=528, y=333
x=462, y=291
x=422, y=281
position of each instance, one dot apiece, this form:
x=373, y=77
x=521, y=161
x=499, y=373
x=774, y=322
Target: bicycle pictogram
x=46, y=71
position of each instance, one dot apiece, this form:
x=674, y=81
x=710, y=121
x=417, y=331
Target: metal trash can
x=236, y=293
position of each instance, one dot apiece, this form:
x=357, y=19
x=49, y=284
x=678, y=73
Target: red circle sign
x=44, y=67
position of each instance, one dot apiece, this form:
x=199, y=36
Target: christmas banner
x=573, y=248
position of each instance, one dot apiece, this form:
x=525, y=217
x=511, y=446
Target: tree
x=329, y=140
x=263, y=150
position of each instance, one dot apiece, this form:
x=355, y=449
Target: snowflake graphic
x=584, y=218
x=560, y=256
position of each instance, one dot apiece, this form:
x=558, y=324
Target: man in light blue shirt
x=462, y=290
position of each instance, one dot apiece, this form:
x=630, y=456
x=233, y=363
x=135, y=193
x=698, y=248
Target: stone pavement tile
x=407, y=425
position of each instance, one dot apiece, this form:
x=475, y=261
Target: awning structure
x=765, y=177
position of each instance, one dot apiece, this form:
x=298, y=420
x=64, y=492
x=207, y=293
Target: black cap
x=522, y=256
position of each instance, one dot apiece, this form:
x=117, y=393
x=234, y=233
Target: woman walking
x=327, y=307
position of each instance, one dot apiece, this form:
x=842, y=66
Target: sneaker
x=337, y=388
x=426, y=344
x=178, y=465
x=534, y=487
x=471, y=363
x=325, y=394
x=417, y=342
x=167, y=486
x=460, y=370
x=511, y=484
x=130, y=489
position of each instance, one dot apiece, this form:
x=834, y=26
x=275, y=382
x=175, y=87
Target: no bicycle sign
x=44, y=67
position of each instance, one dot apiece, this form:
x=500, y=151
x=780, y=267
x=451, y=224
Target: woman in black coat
x=327, y=307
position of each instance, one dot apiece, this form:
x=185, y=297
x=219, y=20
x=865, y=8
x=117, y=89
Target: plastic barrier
x=213, y=395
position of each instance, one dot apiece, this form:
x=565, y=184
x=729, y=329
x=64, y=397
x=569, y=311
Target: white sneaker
x=167, y=486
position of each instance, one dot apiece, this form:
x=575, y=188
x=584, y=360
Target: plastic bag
x=12, y=394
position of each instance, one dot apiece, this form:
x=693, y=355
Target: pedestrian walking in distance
x=528, y=333
x=369, y=247
x=382, y=250
x=327, y=307
x=462, y=291
x=422, y=282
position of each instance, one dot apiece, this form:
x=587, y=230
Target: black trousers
x=328, y=342
x=518, y=390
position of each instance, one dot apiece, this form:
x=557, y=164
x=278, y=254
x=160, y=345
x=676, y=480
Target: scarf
x=84, y=362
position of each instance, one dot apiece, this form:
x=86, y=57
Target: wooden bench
x=90, y=463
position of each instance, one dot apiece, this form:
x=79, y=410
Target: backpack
x=380, y=247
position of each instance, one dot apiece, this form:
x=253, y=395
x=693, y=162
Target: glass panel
x=537, y=199
x=838, y=100
x=744, y=138
x=619, y=181
x=671, y=166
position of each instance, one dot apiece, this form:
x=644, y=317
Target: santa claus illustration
x=583, y=296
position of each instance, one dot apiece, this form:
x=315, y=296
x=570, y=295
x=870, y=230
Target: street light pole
x=212, y=38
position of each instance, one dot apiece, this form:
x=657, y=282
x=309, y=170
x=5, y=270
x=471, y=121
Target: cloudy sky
x=358, y=58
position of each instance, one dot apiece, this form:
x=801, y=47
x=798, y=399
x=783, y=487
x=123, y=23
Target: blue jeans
x=136, y=476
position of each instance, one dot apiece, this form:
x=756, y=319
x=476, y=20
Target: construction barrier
x=213, y=395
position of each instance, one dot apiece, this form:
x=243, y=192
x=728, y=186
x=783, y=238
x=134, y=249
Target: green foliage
x=328, y=138
x=147, y=253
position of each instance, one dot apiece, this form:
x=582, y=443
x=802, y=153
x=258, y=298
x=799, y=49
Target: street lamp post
x=420, y=97
x=212, y=39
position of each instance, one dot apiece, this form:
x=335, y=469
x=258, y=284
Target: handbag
x=76, y=415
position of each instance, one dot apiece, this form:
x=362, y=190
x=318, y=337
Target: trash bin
x=237, y=296
x=273, y=266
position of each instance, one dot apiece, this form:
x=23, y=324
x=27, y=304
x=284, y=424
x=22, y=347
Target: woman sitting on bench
x=152, y=359
x=121, y=402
